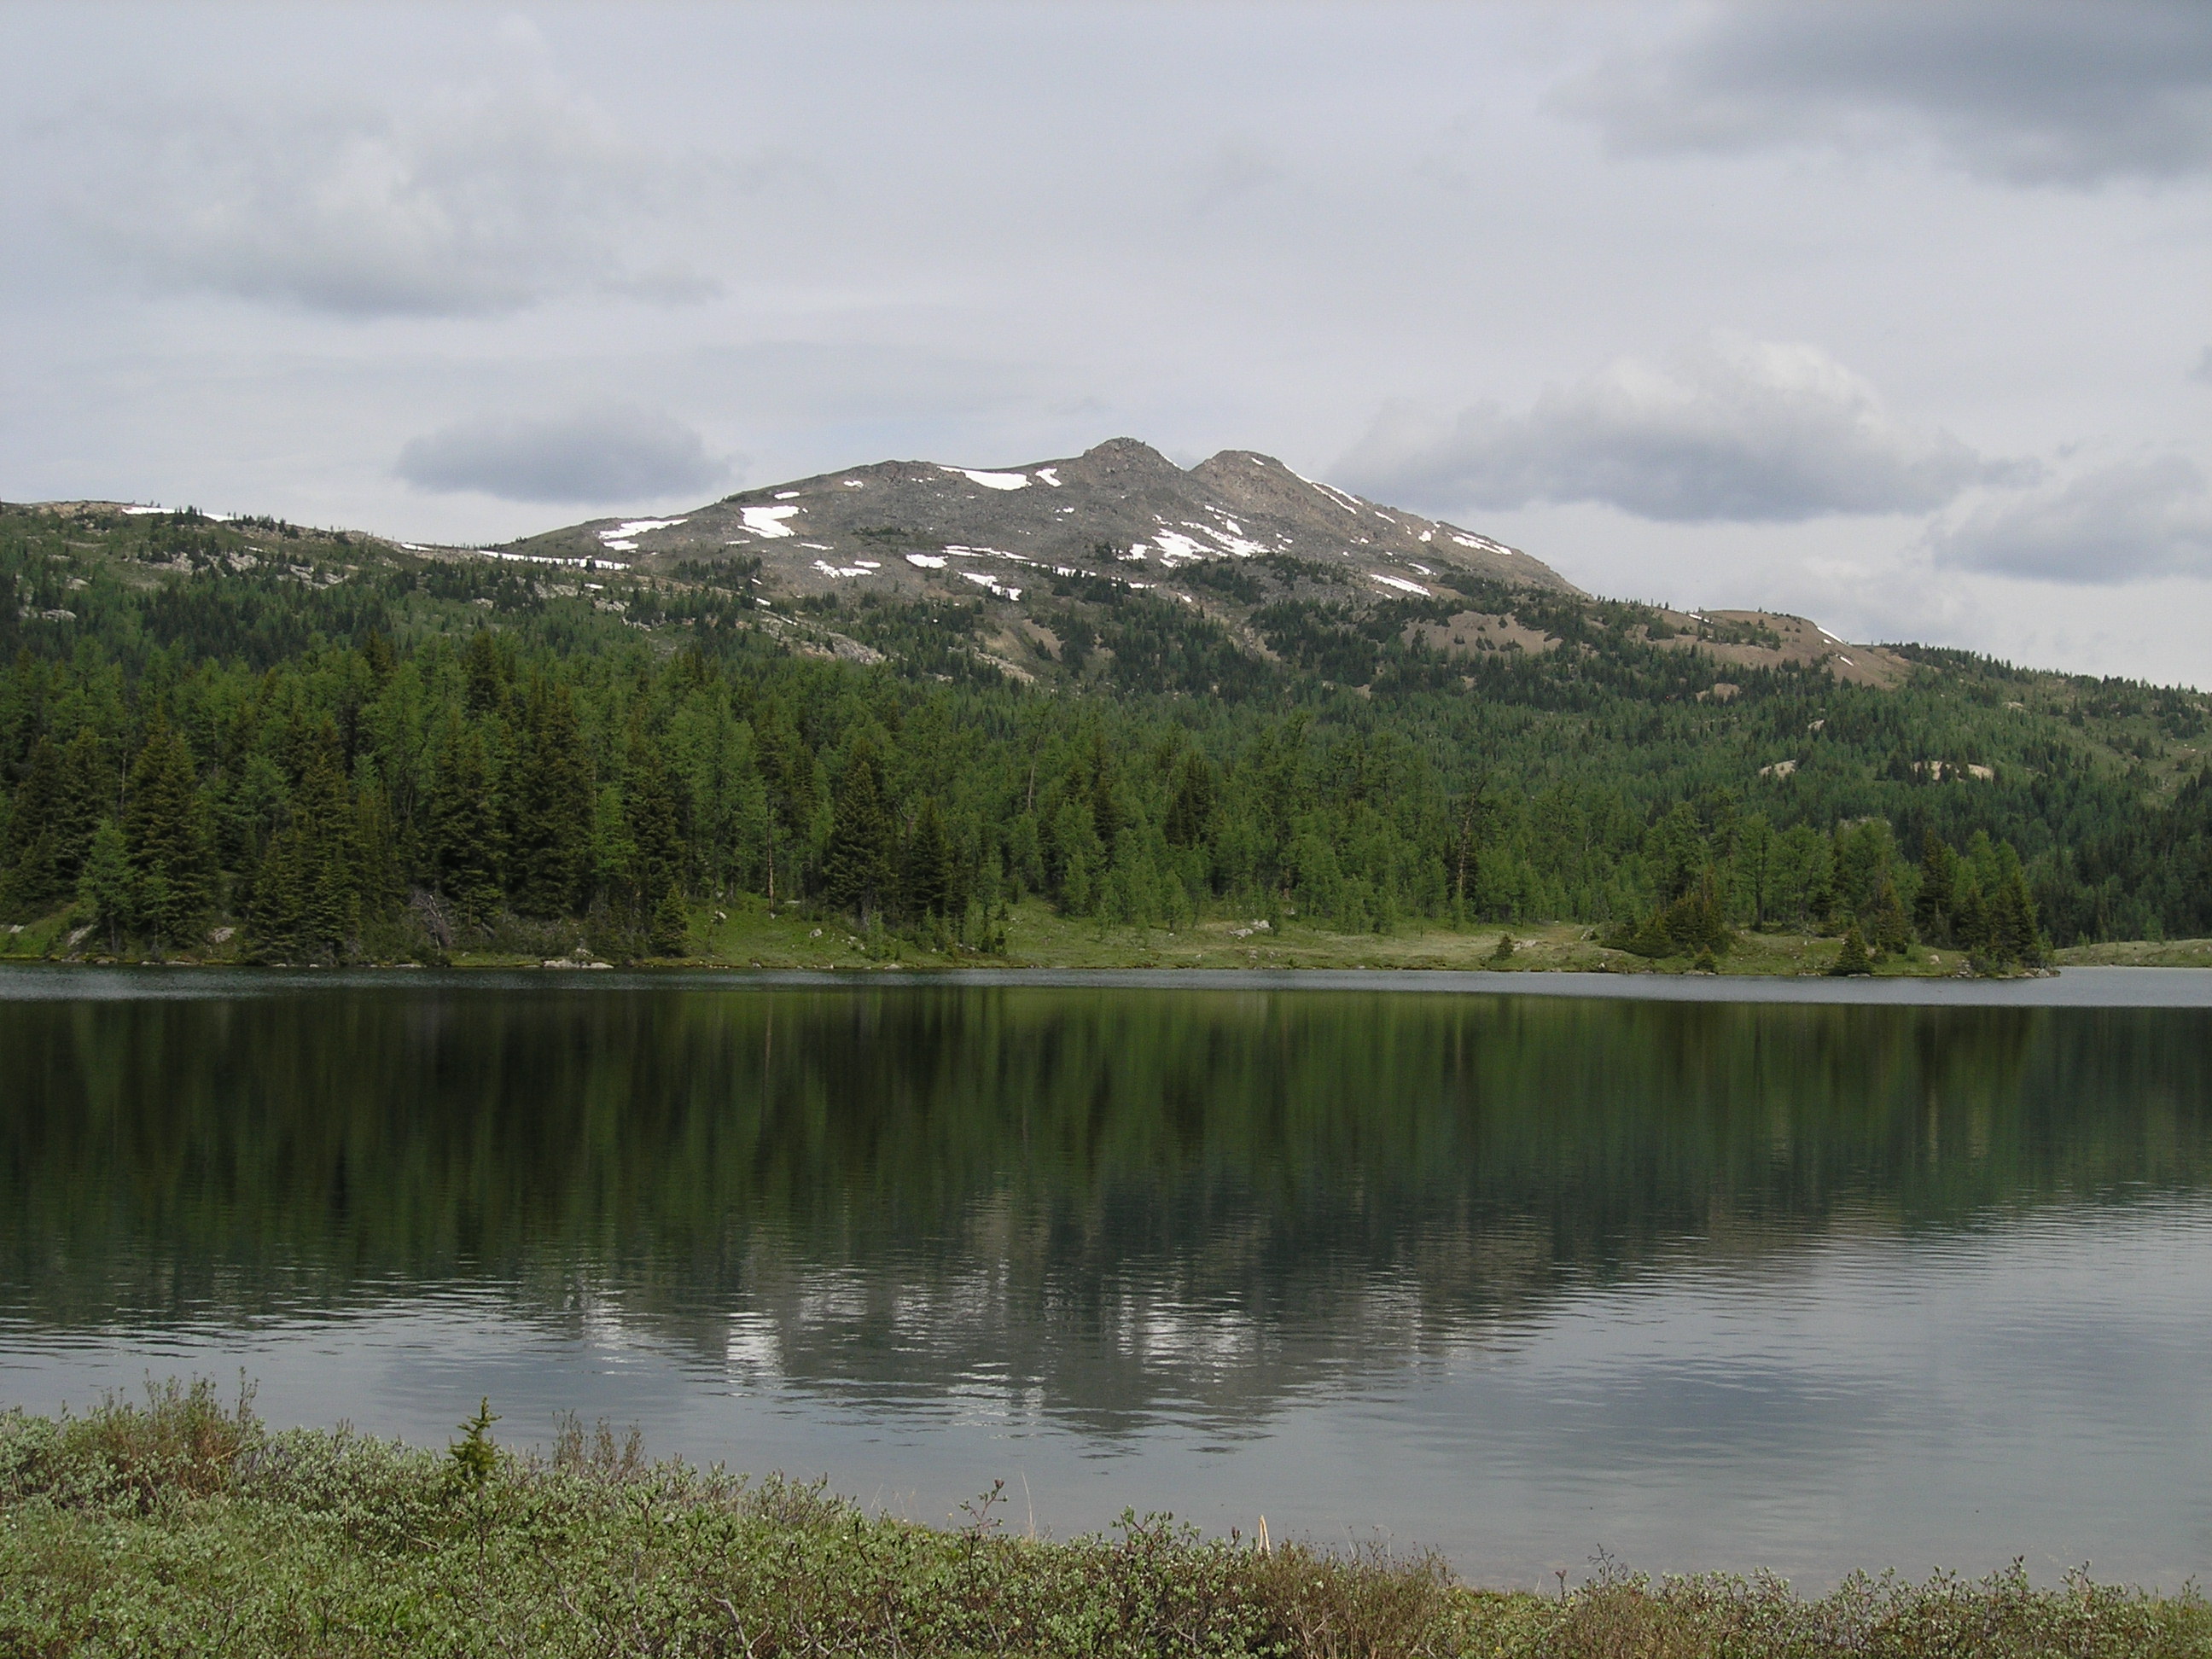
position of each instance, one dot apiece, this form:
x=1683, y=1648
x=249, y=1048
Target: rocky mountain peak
x=1120, y=510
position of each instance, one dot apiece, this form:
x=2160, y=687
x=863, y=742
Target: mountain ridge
x=1120, y=504
x=1242, y=539
x=908, y=530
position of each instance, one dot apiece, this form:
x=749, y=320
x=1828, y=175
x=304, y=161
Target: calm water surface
x=1803, y=1285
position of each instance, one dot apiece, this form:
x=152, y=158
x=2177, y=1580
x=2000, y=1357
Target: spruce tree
x=88, y=795
x=1934, y=907
x=2013, y=936
x=165, y=834
x=331, y=856
x=669, y=929
x=1190, y=810
x=379, y=879
x=31, y=874
x=549, y=808
x=925, y=878
x=485, y=675
x=276, y=920
x=105, y=884
x=856, y=865
x=307, y=896
x=1852, y=959
x=463, y=844
x=1887, y=928
x=654, y=821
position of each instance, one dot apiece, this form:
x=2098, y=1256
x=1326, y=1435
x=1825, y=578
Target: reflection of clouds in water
x=2029, y=1386
x=1708, y=1274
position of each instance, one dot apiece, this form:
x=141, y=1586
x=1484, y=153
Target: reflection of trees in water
x=1101, y=1199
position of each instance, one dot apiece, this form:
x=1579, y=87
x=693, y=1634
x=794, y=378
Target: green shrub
x=182, y=1527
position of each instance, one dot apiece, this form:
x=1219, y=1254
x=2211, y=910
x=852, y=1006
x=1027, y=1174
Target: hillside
x=914, y=696
x=1120, y=509
x=1287, y=567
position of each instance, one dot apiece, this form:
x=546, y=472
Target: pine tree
x=31, y=874
x=485, y=675
x=669, y=932
x=549, y=808
x=2013, y=934
x=654, y=820
x=1934, y=907
x=379, y=883
x=1648, y=938
x=1852, y=959
x=1190, y=810
x=165, y=834
x=331, y=856
x=87, y=796
x=56, y=809
x=926, y=878
x=307, y=896
x=105, y=884
x=792, y=785
x=1105, y=804
x=856, y=865
x=463, y=841
x=376, y=652
x=1887, y=930
x=277, y=917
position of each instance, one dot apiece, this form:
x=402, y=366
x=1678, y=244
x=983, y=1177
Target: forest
x=337, y=752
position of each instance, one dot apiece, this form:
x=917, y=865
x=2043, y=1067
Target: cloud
x=613, y=454
x=2128, y=521
x=1737, y=429
x=463, y=204
x=2203, y=371
x=2028, y=91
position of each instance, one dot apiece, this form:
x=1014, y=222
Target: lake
x=1874, y=1277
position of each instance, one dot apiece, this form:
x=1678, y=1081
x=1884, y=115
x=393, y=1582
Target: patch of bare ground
x=1769, y=639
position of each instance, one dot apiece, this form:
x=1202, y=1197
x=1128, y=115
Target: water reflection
x=1120, y=1214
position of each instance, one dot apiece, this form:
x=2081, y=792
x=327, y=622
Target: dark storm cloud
x=2030, y=91
x=616, y=454
x=2126, y=522
x=1737, y=430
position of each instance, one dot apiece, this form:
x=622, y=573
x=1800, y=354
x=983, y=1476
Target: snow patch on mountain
x=767, y=520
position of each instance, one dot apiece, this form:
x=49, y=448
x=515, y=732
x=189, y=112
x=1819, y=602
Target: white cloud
x=610, y=454
x=2029, y=91
x=2128, y=521
x=463, y=203
x=1735, y=430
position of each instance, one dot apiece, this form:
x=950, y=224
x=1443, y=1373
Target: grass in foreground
x=186, y=1527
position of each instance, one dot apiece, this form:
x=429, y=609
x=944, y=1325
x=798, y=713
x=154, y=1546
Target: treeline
x=1855, y=879
x=355, y=797
x=392, y=760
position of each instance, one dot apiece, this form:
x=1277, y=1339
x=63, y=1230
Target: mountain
x=1120, y=509
x=1122, y=688
x=1286, y=565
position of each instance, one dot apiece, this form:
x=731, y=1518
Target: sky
x=1897, y=316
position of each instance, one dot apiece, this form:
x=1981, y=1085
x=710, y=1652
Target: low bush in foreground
x=186, y=1527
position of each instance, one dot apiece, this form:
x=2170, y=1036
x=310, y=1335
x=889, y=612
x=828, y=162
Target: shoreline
x=192, y=1523
x=1032, y=937
x=2094, y=986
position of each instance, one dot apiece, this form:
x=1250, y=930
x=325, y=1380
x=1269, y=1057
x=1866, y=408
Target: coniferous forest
x=305, y=746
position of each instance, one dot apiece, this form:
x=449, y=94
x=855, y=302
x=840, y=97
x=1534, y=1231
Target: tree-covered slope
x=333, y=744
